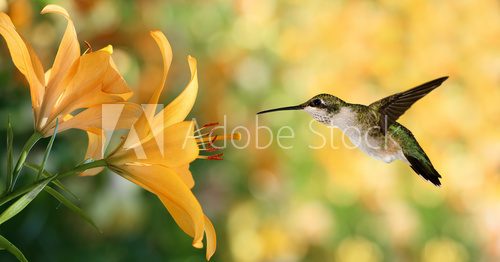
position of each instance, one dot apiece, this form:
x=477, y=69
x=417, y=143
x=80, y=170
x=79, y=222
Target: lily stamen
x=213, y=138
x=212, y=157
x=89, y=48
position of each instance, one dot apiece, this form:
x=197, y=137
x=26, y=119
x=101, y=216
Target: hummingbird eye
x=316, y=102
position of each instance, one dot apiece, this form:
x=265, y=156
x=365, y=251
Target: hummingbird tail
x=424, y=169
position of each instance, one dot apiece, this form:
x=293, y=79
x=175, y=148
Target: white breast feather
x=346, y=120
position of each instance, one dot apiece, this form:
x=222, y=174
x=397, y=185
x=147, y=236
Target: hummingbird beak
x=298, y=107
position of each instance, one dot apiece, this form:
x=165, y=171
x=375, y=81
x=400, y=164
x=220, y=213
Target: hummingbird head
x=321, y=107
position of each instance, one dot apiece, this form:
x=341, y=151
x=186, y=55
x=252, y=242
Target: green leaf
x=47, y=150
x=23, y=201
x=71, y=206
x=56, y=182
x=7, y=198
x=5, y=244
x=10, y=148
x=22, y=158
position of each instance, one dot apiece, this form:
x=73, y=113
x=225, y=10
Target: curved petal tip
x=197, y=244
x=108, y=49
x=55, y=9
x=192, y=62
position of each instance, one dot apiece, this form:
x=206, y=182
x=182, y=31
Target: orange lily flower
x=74, y=82
x=159, y=148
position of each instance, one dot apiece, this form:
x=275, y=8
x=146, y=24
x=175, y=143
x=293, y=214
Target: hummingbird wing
x=414, y=154
x=424, y=168
x=392, y=107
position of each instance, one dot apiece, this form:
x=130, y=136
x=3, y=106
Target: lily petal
x=142, y=127
x=114, y=83
x=67, y=54
x=211, y=238
x=166, y=54
x=177, y=149
x=180, y=201
x=84, y=77
x=89, y=74
x=25, y=60
x=106, y=117
x=180, y=216
x=113, y=89
x=185, y=175
x=94, y=150
x=178, y=109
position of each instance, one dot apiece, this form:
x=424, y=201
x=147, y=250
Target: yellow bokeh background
x=303, y=204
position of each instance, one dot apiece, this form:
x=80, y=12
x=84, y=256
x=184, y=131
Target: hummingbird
x=373, y=128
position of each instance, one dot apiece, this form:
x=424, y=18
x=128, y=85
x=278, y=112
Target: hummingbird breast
x=361, y=126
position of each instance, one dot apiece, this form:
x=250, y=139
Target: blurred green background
x=277, y=204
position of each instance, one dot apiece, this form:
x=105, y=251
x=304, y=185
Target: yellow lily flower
x=74, y=82
x=158, y=150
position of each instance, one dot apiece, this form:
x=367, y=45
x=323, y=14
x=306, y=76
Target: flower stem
x=22, y=158
x=76, y=170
